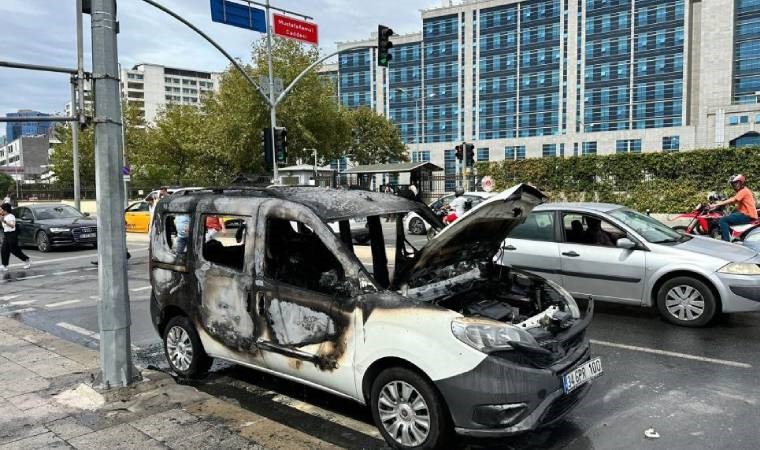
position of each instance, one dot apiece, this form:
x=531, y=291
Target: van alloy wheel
x=404, y=413
x=179, y=348
x=416, y=226
x=685, y=302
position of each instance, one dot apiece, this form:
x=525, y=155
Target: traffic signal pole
x=272, y=103
x=113, y=308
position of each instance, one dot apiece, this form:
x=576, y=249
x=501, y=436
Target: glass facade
x=497, y=64
x=746, y=51
x=539, y=68
x=405, y=90
x=355, y=68
x=450, y=169
x=441, y=78
x=658, y=64
x=14, y=130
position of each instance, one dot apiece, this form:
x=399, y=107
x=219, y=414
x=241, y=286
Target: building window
x=421, y=156
x=482, y=155
x=628, y=146
x=736, y=120
x=514, y=152
x=671, y=143
x=589, y=148
x=757, y=118
x=549, y=150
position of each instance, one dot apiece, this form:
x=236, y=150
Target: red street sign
x=295, y=29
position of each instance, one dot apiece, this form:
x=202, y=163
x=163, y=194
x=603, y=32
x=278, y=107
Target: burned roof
x=337, y=204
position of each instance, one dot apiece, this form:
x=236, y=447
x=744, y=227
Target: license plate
x=87, y=235
x=582, y=375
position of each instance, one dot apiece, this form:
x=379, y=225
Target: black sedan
x=54, y=225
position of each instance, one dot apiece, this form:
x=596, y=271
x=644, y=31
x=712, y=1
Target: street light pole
x=113, y=308
x=273, y=107
x=77, y=106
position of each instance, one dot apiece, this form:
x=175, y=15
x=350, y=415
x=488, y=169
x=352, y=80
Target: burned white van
x=436, y=339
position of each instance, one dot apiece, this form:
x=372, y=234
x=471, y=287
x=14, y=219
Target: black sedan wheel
x=43, y=242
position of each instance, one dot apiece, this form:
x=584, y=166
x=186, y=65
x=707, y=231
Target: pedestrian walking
x=10, y=239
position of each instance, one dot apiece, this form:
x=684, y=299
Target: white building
x=26, y=158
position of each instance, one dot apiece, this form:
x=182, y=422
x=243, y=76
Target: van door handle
x=571, y=254
x=509, y=247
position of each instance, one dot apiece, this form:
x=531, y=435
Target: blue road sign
x=238, y=15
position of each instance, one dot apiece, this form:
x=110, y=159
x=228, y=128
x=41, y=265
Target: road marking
x=94, y=297
x=18, y=311
x=66, y=272
x=39, y=262
x=21, y=302
x=67, y=302
x=8, y=297
x=91, y=268
x=29, y=277
x=144, y=288
x=655, y=351
x=80, y=330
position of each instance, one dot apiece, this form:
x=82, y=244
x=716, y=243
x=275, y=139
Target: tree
x=6, y=183
x=237, y=113
x=374, y=139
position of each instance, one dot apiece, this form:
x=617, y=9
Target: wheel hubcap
x=404, y=413
x=179, y=348
x=685, y=303
x=417, y=226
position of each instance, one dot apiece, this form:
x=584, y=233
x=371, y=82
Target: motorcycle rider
x=457, y=205
x=745, y=212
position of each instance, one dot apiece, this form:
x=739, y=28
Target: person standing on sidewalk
x=10, y=239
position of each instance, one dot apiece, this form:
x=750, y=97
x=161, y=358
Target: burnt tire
x=416, y=226
x=43, y=242
x=409, y=411
x=183, y=349
x=687, y=302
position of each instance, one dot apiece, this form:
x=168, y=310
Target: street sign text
x=295, y=29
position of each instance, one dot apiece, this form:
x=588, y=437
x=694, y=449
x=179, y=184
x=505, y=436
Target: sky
x=44, y=32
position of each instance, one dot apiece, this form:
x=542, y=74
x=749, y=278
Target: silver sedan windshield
x=650, y=229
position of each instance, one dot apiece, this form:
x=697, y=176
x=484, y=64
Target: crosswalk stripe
x=66, y=302
x=21, y=302
x=144, y=288
x=29, y=277
x=66, y=272
x=80, y=330
x=8, y=297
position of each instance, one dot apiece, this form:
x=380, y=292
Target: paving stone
x=14, y=431
x=68, y=428
x=120, y=437
x=28, y=401
x=44, y=440
x=26, y=352
x=52, y=367
x=172, y=425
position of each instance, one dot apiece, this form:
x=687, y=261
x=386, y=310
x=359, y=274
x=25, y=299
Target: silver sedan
x=615, y=254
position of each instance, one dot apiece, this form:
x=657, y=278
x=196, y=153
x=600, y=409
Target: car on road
x=50, y=225
x=137, y=217
x=416, y=225
x=436, y=339
x=615, y=254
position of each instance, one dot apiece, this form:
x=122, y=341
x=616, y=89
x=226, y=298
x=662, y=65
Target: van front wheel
x=184, y=350
x=408, y=411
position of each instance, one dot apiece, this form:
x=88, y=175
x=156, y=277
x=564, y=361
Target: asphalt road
x=696, y=387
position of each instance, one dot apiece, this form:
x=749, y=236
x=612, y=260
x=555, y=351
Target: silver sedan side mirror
x=625, y=243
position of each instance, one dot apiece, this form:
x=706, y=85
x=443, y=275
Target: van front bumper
x=500, y=397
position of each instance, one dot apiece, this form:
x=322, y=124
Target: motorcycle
x=703, y=221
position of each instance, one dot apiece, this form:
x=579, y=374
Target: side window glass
x=224, y=240
x=177, y=232
x=297, y=256
x=143, y=207
x=590, y=230
x=538, y=226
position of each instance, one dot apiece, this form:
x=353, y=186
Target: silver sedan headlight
x=489, y=335
x=740, y=269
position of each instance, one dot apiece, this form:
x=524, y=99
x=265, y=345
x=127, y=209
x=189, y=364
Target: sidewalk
x=47, y=401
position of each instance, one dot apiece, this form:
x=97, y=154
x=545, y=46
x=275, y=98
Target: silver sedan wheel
x=404, y=413
x=180, y=348
x=685, y=302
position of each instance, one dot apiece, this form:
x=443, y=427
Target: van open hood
x=476, y=236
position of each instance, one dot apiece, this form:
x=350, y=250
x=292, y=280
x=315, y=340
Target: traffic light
x=458, y=149
x=281, y=144
x=470, y=154
x=384, y=45
x=266, y=148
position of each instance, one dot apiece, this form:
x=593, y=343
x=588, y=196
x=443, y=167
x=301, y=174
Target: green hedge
x=660, y=182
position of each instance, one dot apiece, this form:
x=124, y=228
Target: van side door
x=304, y=297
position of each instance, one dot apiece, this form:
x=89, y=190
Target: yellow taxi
x=137, y=217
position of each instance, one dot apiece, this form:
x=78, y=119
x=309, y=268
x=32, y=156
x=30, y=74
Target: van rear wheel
x=184, y=350
x=408, y=411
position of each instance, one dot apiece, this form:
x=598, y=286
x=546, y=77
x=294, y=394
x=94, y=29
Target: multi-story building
x=25, y=158
x=150, y=86
x=544, y=78
x=15, y=130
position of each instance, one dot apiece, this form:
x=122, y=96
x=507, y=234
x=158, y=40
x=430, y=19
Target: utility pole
x=113, y=309
x=77, y=106
x=273, y=108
